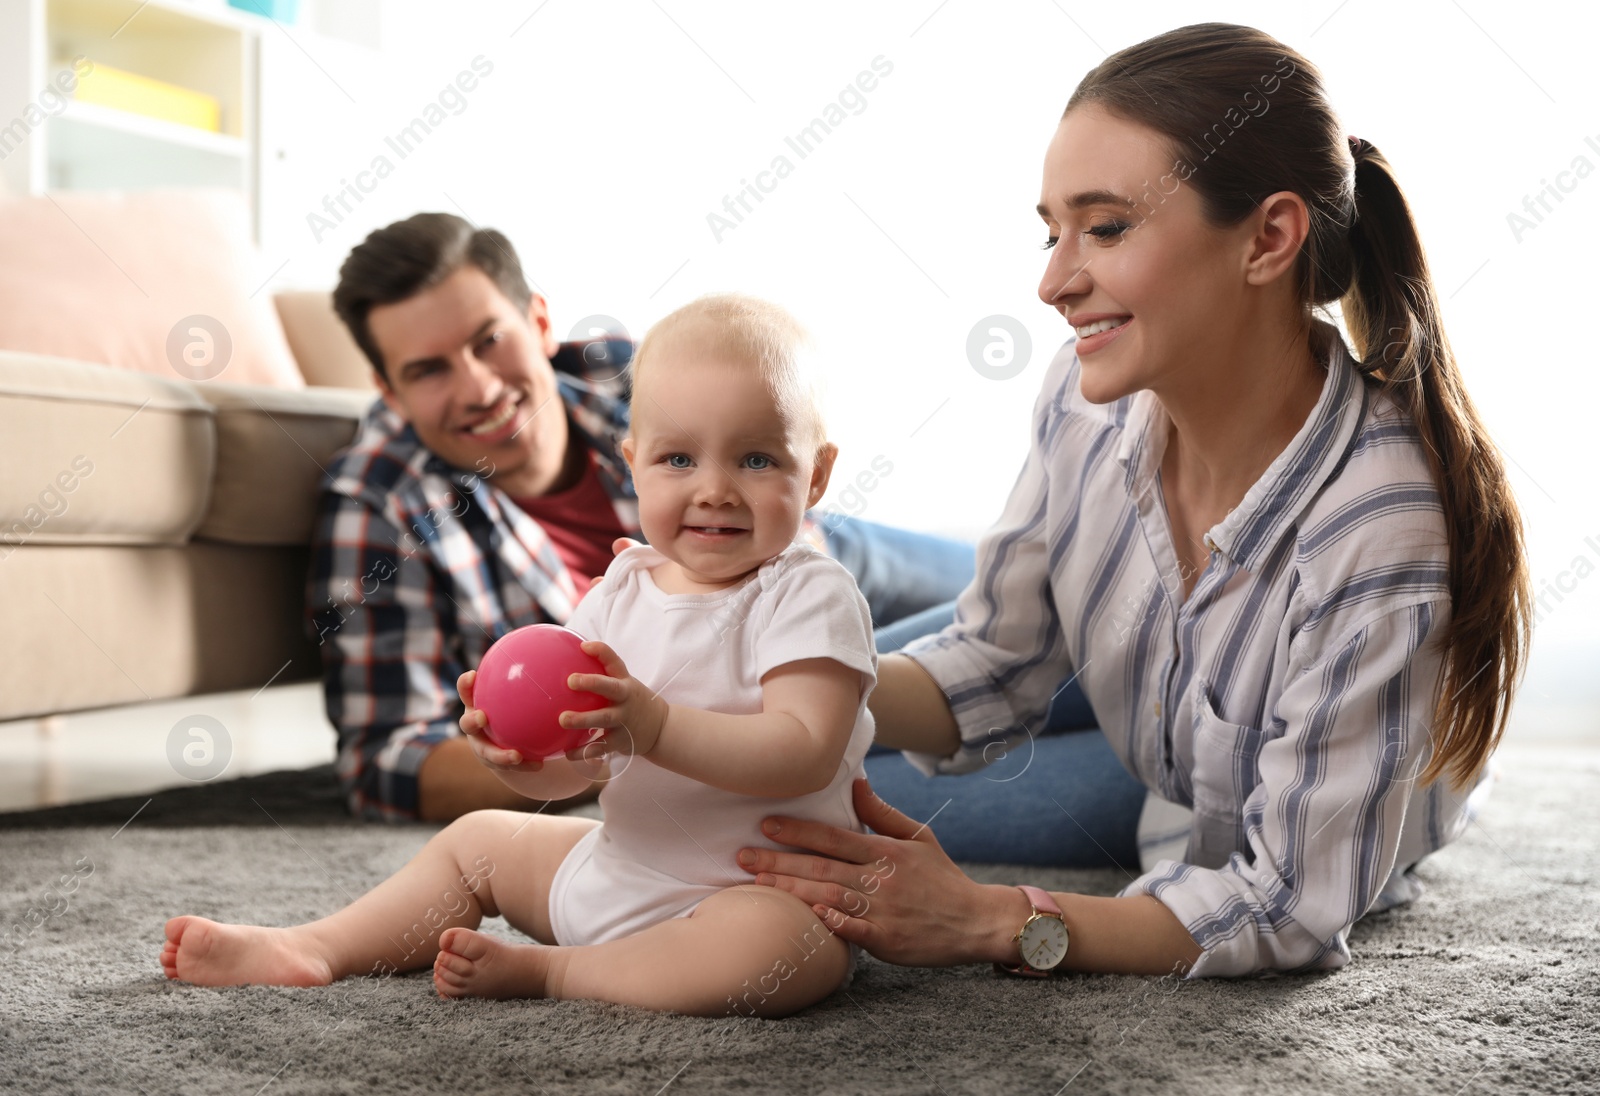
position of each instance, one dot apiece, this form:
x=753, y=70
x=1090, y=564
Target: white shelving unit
x=49, y=142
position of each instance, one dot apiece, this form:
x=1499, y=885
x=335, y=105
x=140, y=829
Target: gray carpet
x=1488, y=984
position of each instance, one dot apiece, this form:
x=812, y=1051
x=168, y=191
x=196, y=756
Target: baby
x=738, y=663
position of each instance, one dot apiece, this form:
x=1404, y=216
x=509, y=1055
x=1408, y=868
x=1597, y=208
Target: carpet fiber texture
x=1489, y=983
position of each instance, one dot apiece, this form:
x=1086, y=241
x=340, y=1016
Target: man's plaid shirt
x=417, y=567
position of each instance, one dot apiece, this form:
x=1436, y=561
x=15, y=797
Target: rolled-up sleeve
x=1004, y=656
x=1324, y=822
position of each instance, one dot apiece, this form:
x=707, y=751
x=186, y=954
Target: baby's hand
x=632, y=723
x=473, y=725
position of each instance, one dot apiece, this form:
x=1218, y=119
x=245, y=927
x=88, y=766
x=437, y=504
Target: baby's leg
x=483, y=864
x=746, y=951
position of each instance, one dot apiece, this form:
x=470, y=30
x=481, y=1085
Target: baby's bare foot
x=472, y=964
x=207, y=953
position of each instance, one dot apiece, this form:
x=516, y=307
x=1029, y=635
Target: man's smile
x=498, y=421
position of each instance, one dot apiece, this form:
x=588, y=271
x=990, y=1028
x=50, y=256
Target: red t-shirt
x=581, y=523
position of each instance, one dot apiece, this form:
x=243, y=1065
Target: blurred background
x=630, y=150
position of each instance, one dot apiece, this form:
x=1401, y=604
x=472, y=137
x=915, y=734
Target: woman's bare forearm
x=896, y=892
x=1132, y=935
x=910, y=710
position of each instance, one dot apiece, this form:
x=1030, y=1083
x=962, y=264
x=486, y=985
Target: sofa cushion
x=95, y=455
x=322, y=345
x=160, y=282
x=99, y=626
x=272, y=449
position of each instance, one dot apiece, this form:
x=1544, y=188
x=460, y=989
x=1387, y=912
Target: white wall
x=606, y=133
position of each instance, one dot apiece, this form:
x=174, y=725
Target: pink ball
x=522, y=687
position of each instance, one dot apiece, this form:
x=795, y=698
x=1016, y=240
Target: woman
x=1290, y=581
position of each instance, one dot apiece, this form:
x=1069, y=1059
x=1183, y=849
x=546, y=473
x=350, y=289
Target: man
x=483, y=492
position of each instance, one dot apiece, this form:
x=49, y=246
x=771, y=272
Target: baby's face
x=723, y=482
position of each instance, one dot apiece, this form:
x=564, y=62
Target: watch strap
x=1043, y=905
x=1042, y=902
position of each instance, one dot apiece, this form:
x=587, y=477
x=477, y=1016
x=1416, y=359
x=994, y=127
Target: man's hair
x=396, y=263
x=747, y=331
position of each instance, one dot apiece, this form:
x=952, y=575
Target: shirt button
x=1158, y=709
x=1211, y=544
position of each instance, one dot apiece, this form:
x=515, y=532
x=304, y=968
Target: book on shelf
x=136, y=94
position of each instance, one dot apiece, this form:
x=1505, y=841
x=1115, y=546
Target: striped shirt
x=1279, y=716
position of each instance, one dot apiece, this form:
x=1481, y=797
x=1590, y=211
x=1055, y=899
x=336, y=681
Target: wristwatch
x=1042, y=939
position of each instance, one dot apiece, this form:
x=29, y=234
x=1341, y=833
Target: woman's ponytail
x=1392, y=314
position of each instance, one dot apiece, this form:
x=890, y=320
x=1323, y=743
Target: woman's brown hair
x=1247, y=117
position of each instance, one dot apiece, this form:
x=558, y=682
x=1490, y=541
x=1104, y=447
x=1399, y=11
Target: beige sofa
x=153, y=531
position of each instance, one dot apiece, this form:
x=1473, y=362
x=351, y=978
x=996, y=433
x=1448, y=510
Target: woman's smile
x=1100, y=333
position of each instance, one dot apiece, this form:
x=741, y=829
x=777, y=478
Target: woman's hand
x=633, y=721
x=474, y=723
x=894, y=892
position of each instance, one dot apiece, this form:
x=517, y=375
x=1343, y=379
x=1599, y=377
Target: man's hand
x=632, y=723
x=618, y=546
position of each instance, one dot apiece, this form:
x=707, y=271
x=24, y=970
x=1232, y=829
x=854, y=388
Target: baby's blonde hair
x=743, y=330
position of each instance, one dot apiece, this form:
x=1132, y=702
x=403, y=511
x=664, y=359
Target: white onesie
x=669, y=842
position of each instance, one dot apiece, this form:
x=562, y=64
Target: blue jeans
x=901, y=574
x=1062, y=799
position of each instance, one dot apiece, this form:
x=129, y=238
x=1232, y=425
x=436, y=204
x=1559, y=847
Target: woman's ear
x=821, y=471
x=1279, y=229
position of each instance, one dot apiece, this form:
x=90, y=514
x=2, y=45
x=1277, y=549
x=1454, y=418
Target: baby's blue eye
x=765, y=461
x=672, y=461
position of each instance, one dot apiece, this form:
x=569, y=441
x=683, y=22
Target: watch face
x=1043, y=943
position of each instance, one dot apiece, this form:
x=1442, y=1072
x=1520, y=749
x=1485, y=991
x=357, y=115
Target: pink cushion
x=112, y=278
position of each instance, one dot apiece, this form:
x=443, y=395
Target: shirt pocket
x=1225, y=770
